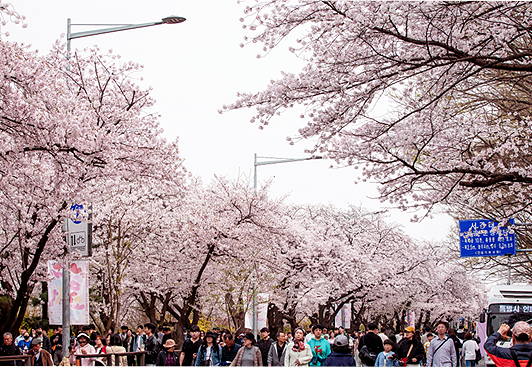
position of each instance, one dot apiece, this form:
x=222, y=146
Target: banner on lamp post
x=79, y=292
x=262, y=312
x=343, y=317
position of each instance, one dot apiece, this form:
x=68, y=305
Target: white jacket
x=305, y=356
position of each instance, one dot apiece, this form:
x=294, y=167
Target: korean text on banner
x=79, y=292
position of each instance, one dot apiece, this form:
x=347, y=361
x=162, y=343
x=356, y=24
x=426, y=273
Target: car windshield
x=510, y=315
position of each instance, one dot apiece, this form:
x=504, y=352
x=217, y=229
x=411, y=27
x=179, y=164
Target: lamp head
x=173, y=20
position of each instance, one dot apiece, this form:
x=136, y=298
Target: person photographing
x=521, y=350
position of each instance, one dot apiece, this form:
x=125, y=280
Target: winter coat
x=273, y=358
x=46, y=358
x=339, y=359
x=503, y=356
x=417, y=352
x=122, y=360
x=153, y=347
x=257, y=357
x=163, y=354
x=9, y=350
x=304, y=356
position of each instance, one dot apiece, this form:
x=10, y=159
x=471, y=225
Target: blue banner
x=483, y=237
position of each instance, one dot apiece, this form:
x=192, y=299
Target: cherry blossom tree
x=64, y=135
x=439, y=67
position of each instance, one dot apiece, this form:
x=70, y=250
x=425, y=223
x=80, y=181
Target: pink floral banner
x=79, y=292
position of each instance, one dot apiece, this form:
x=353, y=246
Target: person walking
x=38, y=355
x=319, y=346
x=230, y=348
x=249, y=354
x=190, y=348
x=341, y=353
x=521, y=350
x=384, y=359
x=210, y=353
x=153, y=347
x=441, y=350
x=470, y=348
x=264, y=344
x=410, y=349
x=372, y=344
x=168, y=356
x=9, y=348
x=277, y=352
x=298, y=352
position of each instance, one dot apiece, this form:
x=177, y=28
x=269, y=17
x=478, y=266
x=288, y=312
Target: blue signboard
x=483, y=237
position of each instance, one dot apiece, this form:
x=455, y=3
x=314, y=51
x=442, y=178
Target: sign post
x=79, y=239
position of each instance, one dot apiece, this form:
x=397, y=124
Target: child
x=383, y=359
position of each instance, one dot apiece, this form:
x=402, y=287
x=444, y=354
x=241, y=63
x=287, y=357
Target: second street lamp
x=270, y=160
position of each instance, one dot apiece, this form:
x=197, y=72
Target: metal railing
x=116, y=356
x=13, y=358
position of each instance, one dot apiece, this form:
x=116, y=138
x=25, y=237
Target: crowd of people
x=321, y=347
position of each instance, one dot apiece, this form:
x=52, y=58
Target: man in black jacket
x=264, y=344
x=153, y=347
x=9, y=348
x=372, y=341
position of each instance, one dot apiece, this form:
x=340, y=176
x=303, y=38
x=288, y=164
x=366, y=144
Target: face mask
x=39, y=332
x=26, y=337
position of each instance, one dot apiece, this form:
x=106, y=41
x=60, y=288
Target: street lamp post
x=70, y=36
x=115, y=28
x=271, y=160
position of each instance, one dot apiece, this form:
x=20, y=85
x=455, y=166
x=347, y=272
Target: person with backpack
x=370, y=345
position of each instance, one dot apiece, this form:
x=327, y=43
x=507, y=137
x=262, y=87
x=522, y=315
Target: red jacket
x=502, y=357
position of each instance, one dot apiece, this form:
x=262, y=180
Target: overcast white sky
x=196, y=67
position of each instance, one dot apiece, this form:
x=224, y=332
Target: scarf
x=299, y=345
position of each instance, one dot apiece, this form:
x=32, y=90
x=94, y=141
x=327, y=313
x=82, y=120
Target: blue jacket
x=339, y=359
x=216, y=356
x=503, y=356
x=389, y=362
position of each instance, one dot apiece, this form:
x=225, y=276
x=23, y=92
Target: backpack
x=367, y=356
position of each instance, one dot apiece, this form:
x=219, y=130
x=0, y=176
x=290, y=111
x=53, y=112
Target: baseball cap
x=410, y=329
x=341, y=341
x=521, y=327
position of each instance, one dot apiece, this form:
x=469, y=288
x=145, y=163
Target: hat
x=83, y=335
x=521, y=327
x=410, y=329
x=250, y=336
x=341, y=341
x=36, y=341
x=265, y=330
x=169, y=343
x=242, y=335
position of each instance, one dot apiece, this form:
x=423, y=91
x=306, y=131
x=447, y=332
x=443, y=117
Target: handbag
x=404, y=361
